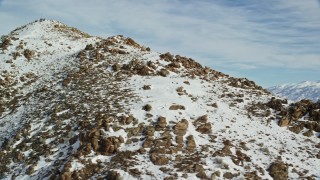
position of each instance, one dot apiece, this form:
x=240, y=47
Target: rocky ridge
x=74, y=106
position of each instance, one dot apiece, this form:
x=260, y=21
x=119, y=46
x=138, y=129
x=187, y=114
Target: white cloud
x=273, y=33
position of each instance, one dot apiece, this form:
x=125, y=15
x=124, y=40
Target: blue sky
x=268, y=41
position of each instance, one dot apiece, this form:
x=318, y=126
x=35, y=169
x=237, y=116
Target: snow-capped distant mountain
x=297, y=91
x=73, y=106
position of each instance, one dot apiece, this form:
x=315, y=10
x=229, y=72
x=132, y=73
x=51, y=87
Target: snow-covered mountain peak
x=79, y=107
x=298, y=91
x=47, y=29
x=41, y=48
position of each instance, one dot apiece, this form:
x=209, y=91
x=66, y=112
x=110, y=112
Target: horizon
x=269, y=42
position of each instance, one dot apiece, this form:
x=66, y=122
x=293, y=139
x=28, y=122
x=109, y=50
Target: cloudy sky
x=268, y=41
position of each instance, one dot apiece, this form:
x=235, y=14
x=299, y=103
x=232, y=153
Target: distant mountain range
x=298, y=91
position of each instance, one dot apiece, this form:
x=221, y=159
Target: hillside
x=73, y=106
x=298, y=91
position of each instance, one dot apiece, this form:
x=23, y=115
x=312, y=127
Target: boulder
x=278, y=170
x=150, y=131
x=181, y=127
x=158, y=159
x=162, y=142
x=284, y=122
x=308, y=133
x=147, y=107
x=116, y=67
x=146, y=87
x=179, y=141
x=113, y=175
x=162, y=123
x=177, y=107
x=167, y=56
x=204, y=128
x=276, y=104
x=144, y=71
x=110, y=145
x=148, y=143
x=164, y=72
x=191, y=144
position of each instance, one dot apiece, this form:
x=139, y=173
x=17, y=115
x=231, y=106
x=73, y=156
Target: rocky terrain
x=73, y=106
x=298, y=91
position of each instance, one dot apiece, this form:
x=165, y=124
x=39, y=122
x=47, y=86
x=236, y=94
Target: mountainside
x=73, y=106
x=296, y=92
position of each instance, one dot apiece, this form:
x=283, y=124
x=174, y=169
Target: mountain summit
x=73, y=106
x=298, y=91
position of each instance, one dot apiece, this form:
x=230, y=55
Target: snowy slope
x=51, y=46
x=296, y=92
x=111, y=109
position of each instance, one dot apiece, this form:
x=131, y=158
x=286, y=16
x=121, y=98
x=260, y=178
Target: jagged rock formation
x=74, y=106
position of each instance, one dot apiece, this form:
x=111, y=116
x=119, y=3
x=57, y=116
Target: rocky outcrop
x=291, y=115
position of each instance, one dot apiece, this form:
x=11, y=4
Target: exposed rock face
x=291, y=115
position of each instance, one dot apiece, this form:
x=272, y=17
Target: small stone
x=135, y=172
x=147, y=107
x=116, y=67
x=129, y=119
x=177, y=107
x=201, y=175
x=308, y=133
x=180, y=89
x=146, y=87
x=162, y=122
x=186, y=82
x=142, y=151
